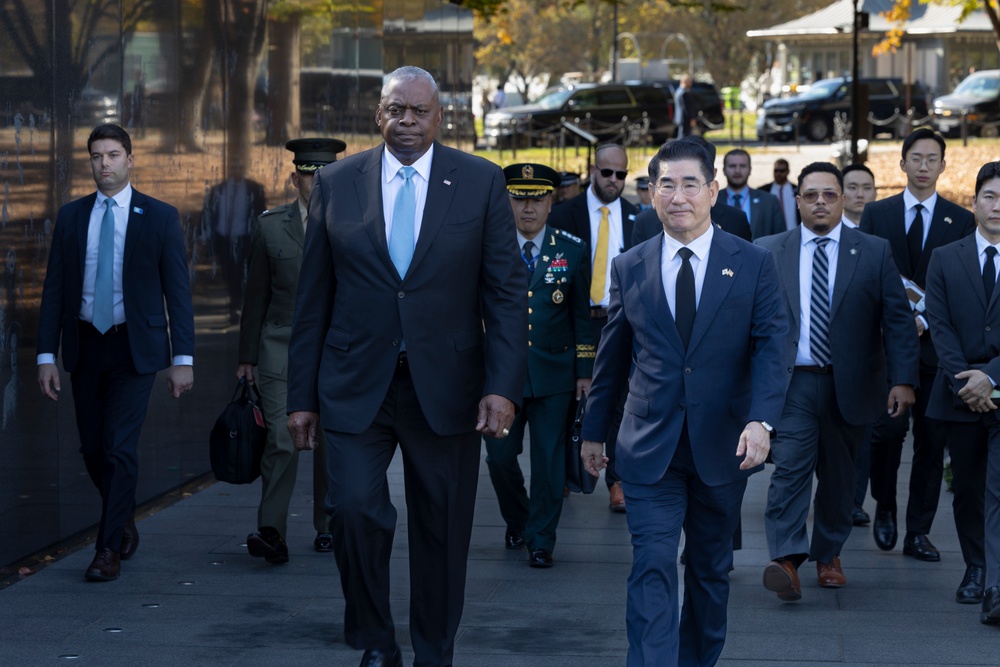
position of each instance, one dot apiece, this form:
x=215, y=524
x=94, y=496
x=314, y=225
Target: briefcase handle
x=243, y=388
x=581, y=410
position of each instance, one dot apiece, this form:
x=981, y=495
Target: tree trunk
x=284, y=86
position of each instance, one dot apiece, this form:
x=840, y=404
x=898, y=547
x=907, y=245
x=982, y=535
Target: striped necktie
x=819, y=306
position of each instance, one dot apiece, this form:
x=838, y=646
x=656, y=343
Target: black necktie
x=684, y=302
x=527, y=254
x=819, y=306
x=915, y=238
x=738, y=201
x=989, y=272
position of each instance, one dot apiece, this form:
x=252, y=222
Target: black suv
x=817, y=107
x=978, y=98
x=709, y=107
x=598, y=109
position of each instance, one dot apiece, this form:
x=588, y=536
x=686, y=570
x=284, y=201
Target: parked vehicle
x=598, y=109
x=709, y=106
x=977, y=98
x=817, y=108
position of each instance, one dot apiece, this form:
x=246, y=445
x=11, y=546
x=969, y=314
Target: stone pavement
x=192, y=596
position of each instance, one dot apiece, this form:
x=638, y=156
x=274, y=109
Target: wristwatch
x=767, y=427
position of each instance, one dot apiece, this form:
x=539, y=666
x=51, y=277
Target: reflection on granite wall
x=209, y=96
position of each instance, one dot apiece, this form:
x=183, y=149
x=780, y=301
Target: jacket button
x=987, y=328
x=530, y=293
x=395, y=342
x=401, y=294
x=529, y=343
x=680, y=407
x=530, y=311
x=687, y=371
x=529, y=327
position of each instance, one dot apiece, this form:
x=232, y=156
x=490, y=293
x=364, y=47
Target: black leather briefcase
x=236, y=444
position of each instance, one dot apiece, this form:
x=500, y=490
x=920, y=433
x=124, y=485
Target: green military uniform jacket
x=560, y=335
x=272, y=280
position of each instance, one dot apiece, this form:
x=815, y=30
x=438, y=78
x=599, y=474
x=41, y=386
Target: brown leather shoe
x=106, y=566
x=130, y=540
x=830, y=575
x=782, y=577
x=617, y=503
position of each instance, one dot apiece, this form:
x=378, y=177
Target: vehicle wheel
x=989, y=131
x=818, y=129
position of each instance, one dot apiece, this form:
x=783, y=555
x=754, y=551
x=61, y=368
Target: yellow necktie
x=600, y=277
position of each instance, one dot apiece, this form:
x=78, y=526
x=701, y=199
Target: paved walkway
x=192, y=596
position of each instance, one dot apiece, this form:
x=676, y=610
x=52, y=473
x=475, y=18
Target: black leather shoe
x=323, y=543
x=991, y=607
x=130, y=540
x=269, y=545
x=884, y=529
x=374, y=657
x=920, y=547
x=540, y=558
x=860, y=517
x=513, y=540
x=970, y=591
x=106, y=566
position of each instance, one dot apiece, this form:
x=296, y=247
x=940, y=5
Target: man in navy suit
x=915, y=222
x=117, y=269
x=841, y=305
x=761, y=208
x=696, y=331
x=410, y=252
x=964, y=314
x=605, y=221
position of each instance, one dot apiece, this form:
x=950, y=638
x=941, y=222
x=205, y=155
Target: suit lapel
x=721, y=274
x=847, y=262
x=788, y=265
x=135, y=216
x=82, y=224
x=369, y=189
x=969, y=254
x=444, y=182
x=546, y=248
x=647, y=274
x=897, y=236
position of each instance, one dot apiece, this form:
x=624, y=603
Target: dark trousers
x=928, y=460
x=538, y=517
x=862, y=468
x=111, y=400
x=441, y=474
x=610, y=476
x=969, y=443
x=656, y=514
x=814, y=439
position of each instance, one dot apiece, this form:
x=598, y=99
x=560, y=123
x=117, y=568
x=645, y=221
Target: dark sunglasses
x=606, y=173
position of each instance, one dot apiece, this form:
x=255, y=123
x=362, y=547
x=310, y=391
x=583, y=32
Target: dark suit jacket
x=766, y=217
x=154, y=271
x=573, y=217
x=966, y=328
x=795, y=190
x=868, y=303
x=727, y=218
x=353, y=309
x=731, y=373
x=887, y=218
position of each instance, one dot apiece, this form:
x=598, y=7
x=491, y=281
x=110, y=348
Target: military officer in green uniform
x=265, y=327
x=560, y=363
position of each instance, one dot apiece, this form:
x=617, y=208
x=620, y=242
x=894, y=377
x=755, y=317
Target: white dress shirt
x=786, y=197
x=670, y=265
x=803, y=357
x=392, y=181
x=910, y=202
x=616, y=237
x=848, y=222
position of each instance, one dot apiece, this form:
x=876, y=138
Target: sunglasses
x=606, y=173
x=829, y=196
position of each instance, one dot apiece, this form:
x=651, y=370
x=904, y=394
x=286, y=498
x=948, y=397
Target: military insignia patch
x=557, y=296
x=527, y=171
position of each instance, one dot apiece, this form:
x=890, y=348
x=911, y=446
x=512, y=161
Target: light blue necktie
x=104, y=285
x=404, y=214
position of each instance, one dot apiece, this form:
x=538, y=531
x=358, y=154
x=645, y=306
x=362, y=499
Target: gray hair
x=405, y=74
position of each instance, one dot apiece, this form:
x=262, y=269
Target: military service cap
x=313, y=153
x=567, y=178
x=642, y=183
x=530, y=181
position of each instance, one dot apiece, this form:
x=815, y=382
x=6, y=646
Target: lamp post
x=855, y=87
x=614, y=43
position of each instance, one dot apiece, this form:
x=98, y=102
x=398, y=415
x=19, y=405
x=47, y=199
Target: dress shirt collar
x=910, y=200
x=391, y=165
x=538, y=240
x=848, y=222
x=809, y=235
x=700, y=246
x=122, y=198
x=743, y=192
x=982, y=244
x=594, y=204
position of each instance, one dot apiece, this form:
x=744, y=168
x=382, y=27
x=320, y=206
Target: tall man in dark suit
x=117, y=269
x=410, y=250
x=696, y=333
x=265, y=325
x=915, y=222
x=964, y=315
x=761, y=208
x=784, y=190
x=843, y=296
x=604, y=220
x=560, y=363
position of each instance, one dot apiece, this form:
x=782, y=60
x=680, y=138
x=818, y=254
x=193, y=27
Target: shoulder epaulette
x=562, y=233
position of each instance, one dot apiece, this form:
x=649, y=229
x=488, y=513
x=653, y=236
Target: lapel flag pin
x=727, y=272
x=948, y=220
x=447, y=182
x=854, y=251
x=137, y=210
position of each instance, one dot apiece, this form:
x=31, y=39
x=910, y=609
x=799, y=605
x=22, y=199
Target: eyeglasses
x=606, y=173
x=668, y=189
x=829, y=196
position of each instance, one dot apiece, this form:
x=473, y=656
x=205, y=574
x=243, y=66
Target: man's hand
x=48, y=380
x=976, y=392
x=246, y=371
x=582, y=388
x=304, y=427
x=920, y=325
x=755, y=443
x=592, y=454
x=901, y=397
x=496, y=414
x=179, y=379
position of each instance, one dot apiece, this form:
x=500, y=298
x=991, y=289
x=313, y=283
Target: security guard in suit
x=265, y=327
x=560, y=363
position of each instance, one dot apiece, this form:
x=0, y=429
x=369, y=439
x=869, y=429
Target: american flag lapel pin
x=447, y=182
